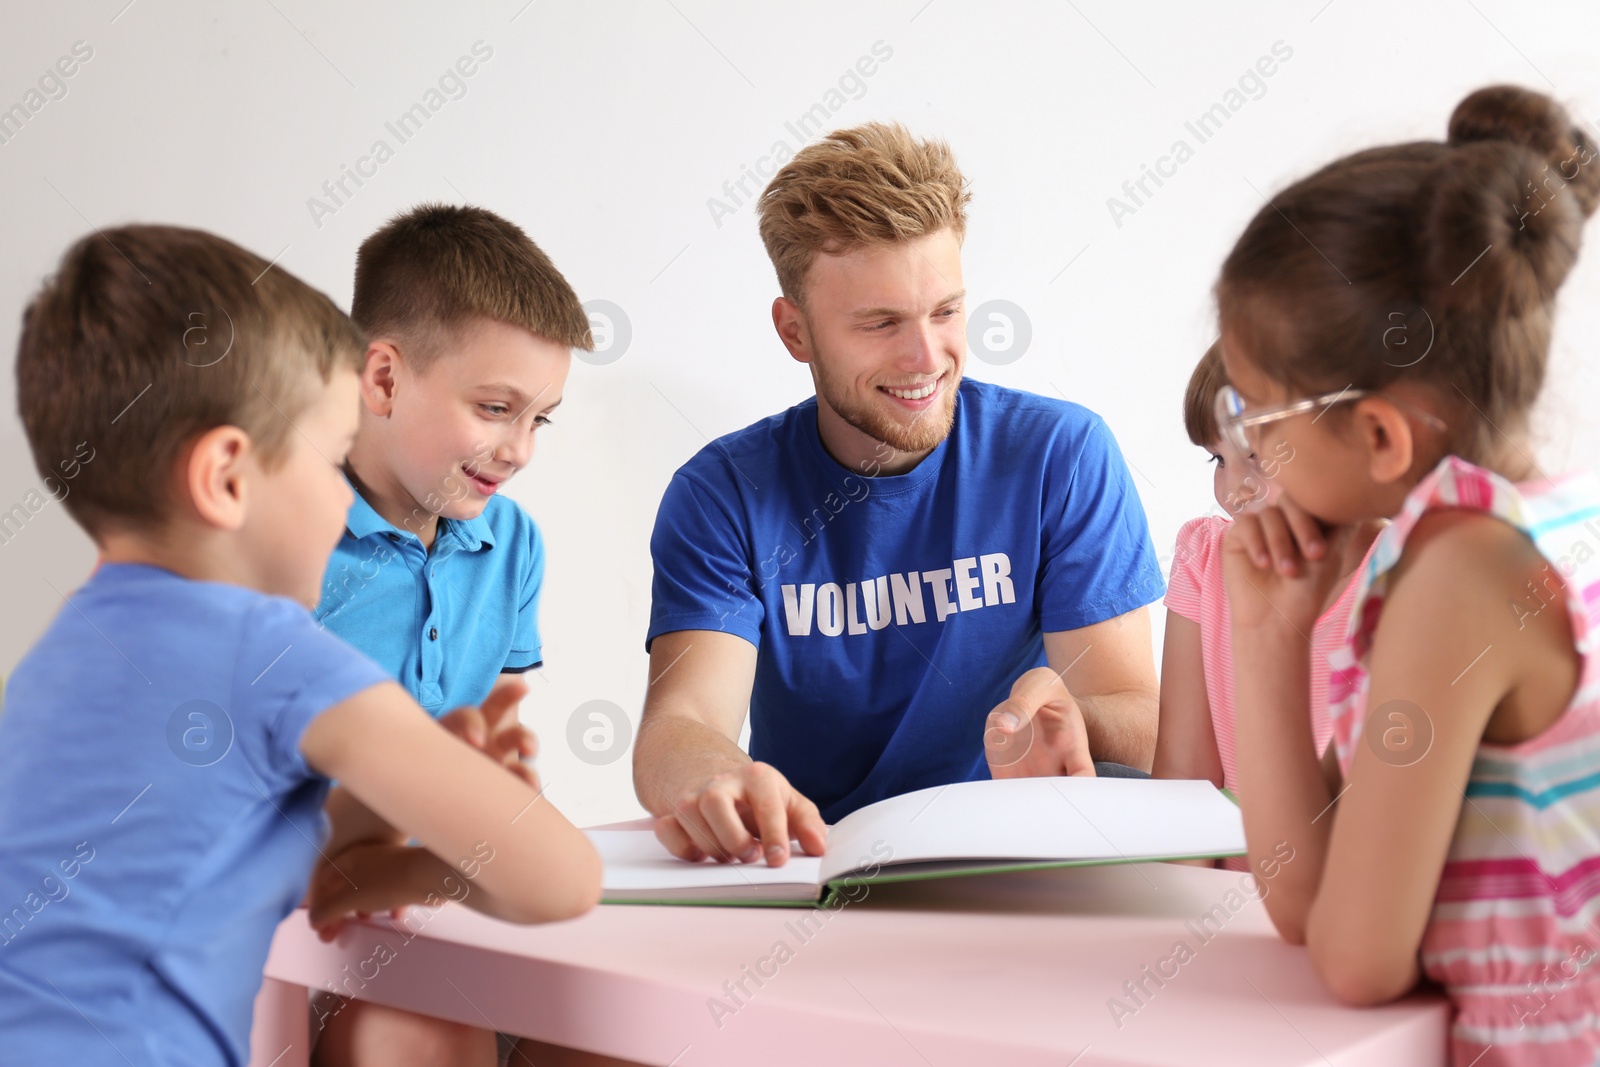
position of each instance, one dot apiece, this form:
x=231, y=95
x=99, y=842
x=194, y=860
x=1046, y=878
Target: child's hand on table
x=376, y=876
x=373, y=877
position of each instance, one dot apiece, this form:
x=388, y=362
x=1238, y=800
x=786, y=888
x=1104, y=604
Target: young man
x=875, y=569
x=470, y=329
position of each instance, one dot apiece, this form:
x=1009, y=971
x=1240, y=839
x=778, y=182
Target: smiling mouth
x=920, y=392
x=486, y=486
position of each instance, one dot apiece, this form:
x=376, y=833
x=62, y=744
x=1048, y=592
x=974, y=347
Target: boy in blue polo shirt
x=470, y=330
x=166, y=745
x=471, y=333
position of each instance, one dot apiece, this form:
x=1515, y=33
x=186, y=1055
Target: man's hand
x=494, y=730
x=1038, y=732
x=742, y=815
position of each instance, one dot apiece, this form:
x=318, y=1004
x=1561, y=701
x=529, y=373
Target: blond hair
x=870, y=185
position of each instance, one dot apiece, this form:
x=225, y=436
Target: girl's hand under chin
x=1281, y=565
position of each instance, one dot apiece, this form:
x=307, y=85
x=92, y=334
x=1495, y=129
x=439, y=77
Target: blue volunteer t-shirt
x=447, y=621
x=893, y=613
x=157, y=820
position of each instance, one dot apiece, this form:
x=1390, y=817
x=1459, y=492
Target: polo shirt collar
x=364, y=521
x=473, y=533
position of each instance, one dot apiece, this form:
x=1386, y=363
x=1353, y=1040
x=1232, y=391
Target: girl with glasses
x=1388, y=320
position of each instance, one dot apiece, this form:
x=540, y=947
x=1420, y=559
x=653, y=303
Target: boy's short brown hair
x=437, y=268
x=1200, y=399
x=874, y=184
x=148, y=336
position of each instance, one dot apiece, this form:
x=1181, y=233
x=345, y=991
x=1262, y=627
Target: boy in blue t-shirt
x=166, y=745
x=470, y=333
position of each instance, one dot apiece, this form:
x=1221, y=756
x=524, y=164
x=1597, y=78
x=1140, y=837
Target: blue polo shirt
x=445, y=621
x=892, y=613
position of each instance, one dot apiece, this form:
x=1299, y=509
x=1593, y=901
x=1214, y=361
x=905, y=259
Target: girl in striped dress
x=1388, y=320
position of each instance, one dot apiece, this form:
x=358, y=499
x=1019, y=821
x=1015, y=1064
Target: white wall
x=604, y=128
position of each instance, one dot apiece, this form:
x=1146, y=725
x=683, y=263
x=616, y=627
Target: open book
x=965, y=828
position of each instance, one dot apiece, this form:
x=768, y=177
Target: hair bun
x=1502, y=219
x=1487, y=241
x=1509, y=113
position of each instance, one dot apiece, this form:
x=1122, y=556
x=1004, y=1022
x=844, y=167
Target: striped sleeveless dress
x=1514, y=934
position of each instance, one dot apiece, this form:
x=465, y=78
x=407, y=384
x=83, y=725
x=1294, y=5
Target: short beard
x=926, y=429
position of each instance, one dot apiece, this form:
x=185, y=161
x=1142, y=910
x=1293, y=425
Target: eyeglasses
x=1233, y=421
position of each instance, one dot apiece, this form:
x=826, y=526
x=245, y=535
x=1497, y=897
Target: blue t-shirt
x=157, y=820
x=445, y=622
x=893, y=613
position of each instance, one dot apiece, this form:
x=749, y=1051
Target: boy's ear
x=378, y=378
x=789, y=321
x=214, y=476
x=1387, y=437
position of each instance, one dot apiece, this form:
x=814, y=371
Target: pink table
x=1025, y=968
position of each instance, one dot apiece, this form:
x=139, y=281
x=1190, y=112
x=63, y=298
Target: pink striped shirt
x=1514, y=935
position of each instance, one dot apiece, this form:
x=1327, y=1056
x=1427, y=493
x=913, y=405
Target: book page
x=638, y=866
x=1038, y=819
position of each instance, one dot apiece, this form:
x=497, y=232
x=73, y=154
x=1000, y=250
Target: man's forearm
x=1122, y=726
x=673, y=753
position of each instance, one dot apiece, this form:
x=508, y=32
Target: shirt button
x=433, y=633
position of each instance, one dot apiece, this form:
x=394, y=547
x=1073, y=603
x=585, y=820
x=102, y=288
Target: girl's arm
x=1278, y=570
x=1282, y=792
x=1186, y=742
x=412, y=774
x=1364, y=874
x=1447, y=653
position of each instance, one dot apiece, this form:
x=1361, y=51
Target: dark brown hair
x=874, y=184
x=437, y=268
x=1200, y=398
x=148, y=336
x=1432, y=262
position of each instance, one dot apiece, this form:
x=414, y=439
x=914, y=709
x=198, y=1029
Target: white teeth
x=913, y=394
